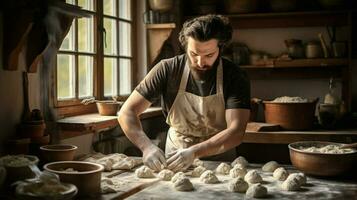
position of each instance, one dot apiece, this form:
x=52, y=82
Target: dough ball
x=166, y=174
x=270, y=166
x=291, y=184
x=177, y=176
x=240, y=160
x=301, y=178
x=238, y=185
x=198, y=162
x=223, y=168
x=208, y=177
x=253, y=177
x=280, y=174
x=144, y=172
x=237, y=171
x=198, y=171
x=256, y=191
x=183, y=184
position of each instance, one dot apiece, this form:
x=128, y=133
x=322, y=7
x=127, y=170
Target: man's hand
x=154, y=158
x=180, y=159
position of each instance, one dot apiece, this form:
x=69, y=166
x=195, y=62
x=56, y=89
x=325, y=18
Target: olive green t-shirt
x=163, y=81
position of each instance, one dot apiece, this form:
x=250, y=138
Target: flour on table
x=256, y=191
x=144, y=172
x=209, y=177
x=223, y=168
x=183, y=184
x=240, y=160
x=238, y=185
x=253, y=177
x=112, y=185
x=270, y=166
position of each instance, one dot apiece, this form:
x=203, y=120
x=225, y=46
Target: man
x=205, y=98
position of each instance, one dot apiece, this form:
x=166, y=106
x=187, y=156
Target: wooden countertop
x=316, y=188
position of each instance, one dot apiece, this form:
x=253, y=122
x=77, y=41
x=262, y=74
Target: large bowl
x=85, y=175
x=108, y=108
x=290, y=116
x=16, y=169
x=58, y=152
x=320, y=164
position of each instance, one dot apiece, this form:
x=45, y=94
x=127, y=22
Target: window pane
x=125, y=38
x=110, y=38
x=110, y=77
x=125, y=9
x=85, y=34
x=85, y=76
x=86, y=4
x=125, y=76
x=65, y=76
x=70, y=2
x=68, y=42
x=109, y=7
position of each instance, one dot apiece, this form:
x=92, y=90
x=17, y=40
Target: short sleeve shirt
x=163, y=81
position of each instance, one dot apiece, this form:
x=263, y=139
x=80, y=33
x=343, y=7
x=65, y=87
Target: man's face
x=202, y=55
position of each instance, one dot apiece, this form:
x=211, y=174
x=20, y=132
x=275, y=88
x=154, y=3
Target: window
x=96, y=62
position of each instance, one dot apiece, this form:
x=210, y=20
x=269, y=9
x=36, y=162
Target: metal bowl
x=320, y=164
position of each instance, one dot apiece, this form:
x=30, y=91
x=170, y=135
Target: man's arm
x=130, y=123
x=228, y=138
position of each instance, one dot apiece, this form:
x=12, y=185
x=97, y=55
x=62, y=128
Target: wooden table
x=317, y=188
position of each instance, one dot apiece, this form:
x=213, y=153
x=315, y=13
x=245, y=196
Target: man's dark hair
x=205, y=28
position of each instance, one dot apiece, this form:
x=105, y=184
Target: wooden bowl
x=15, y=170
x=58, y=152
x=85, y=175
x=108, y=108
x=320, y=164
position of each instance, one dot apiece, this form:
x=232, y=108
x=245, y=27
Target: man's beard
x=203, y=74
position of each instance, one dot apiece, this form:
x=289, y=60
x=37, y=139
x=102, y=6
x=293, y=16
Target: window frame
x=73, y=106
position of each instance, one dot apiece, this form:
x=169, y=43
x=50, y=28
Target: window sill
x=95, y=123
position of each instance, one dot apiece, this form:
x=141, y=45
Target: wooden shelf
x=161, y=26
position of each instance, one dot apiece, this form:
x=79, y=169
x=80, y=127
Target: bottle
x=331, y=97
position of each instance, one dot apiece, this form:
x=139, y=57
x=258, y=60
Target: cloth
x=163, y=81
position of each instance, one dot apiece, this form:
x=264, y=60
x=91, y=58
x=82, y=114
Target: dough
x=240, y=160
x=253, y=177
x=238, y=185
x=144, y=172
x=198, y=162
x=198, y=171
x=291, y=184
x=223, y=168
x=256, y=191
x=280, y=174
x=270, y=166
x=166, y=175
x=183, y=184
x=208, y=177
x=177, y=176
x=237, y=171
x=125, y=163
x=301, y=178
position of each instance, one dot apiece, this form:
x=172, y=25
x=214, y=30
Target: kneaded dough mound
x=198, y=171
x=238, y=185
x=270, y=166
x=177, y=176
x=208, y=177
x=237, y=171
x=291, y=184
x=166, y=174
x=280, y=174
x=240, y=160
x=198, y=162
x=144, y=172
x=301, y=178
x=183, y=184
x=223, y=168
x=256, y=191
x=253, y=177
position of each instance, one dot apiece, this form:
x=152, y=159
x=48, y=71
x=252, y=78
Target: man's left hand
x=181, y=159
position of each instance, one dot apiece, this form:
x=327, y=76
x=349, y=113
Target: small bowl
x=16, y=172
x=108, y=108
x=85, y=175
x=58, y=152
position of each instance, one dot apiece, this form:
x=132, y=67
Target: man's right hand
x=154, y=158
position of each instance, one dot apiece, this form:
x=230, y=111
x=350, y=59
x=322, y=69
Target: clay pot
x=58, y=152
x=161, y=5
x=32, y=129
x=108, y=108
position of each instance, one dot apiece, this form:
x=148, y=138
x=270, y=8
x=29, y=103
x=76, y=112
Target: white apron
x=194, y=119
